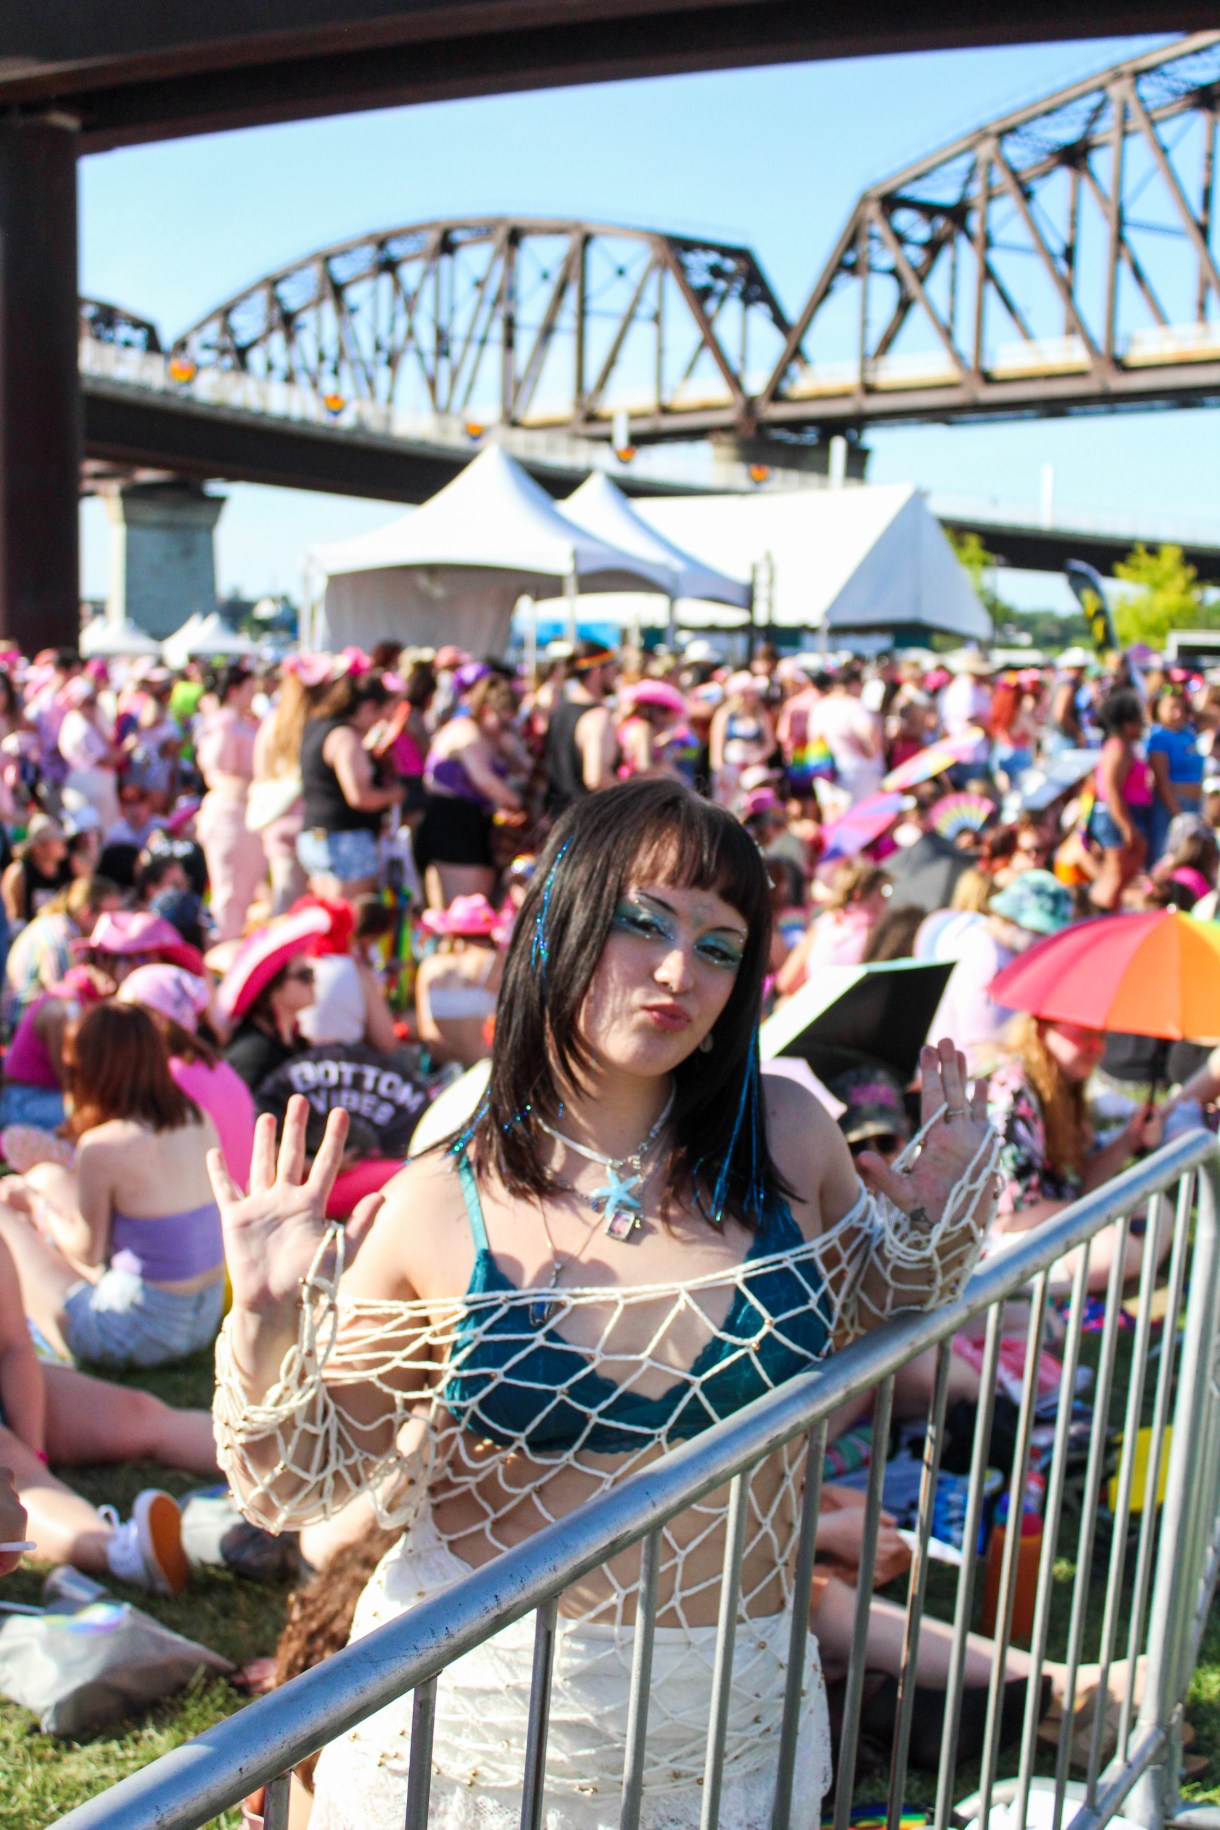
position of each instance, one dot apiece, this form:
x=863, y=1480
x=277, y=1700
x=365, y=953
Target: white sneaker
x=147, y=1550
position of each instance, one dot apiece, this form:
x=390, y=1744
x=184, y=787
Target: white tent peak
x=101, y=636
x=203, y=637
x=601, y=507
x=494, y=515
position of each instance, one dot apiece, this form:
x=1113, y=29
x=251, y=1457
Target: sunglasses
x=302, y=975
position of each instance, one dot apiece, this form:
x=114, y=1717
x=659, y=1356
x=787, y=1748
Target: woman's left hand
x=949, y=1148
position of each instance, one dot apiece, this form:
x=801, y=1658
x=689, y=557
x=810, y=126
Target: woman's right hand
x=272, y=1234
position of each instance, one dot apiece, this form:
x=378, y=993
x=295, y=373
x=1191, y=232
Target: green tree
x=1165, y=595
x=976, y=562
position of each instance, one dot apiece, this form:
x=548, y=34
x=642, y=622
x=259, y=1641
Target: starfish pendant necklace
x=617, y=1202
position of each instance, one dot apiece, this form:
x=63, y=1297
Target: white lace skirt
x=482, y=1706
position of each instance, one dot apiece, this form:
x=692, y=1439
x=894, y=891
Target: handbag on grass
x=79, y=1671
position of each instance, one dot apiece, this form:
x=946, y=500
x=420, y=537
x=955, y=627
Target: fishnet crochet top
x=499, y=1422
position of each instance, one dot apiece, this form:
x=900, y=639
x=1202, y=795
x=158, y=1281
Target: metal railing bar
x=1160, y=1417
x=1010, y=1562
x=1126, y=1480
x=1166, y=1634
x=1092, y=1500
x=1121, y=1778
x=802, y=1587
x=934, y=1443
x=1169, y=1632
x=275, y=1802
x=539, y=1714
x=964, y=1608
x=1207, y=1592
x=849, y=1736
x=419, y=1773
x=206, y=1776
x=726, y=1635
x=1050, y=1536
x=641, y=1683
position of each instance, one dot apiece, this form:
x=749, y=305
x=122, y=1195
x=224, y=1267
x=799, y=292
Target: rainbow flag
x=811, y=762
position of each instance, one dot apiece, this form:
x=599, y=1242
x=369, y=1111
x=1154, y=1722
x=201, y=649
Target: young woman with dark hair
x=635, y=1235
x=106, y=1272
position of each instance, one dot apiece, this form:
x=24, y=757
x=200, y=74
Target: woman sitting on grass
x=54, y=1414
x=106, y=1272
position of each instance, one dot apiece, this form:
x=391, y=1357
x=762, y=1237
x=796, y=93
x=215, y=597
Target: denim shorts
x=123, y=1321
x=1104, y=828
x=26, y=1105
x=346, y=856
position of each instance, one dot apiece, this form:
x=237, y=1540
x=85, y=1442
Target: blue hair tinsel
x=538, y=948
x=461, y=1142
x=749, y=1113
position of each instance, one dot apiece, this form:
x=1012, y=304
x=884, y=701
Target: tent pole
x=530, y=605
x=569, y=591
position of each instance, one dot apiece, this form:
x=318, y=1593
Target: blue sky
x=774, y=158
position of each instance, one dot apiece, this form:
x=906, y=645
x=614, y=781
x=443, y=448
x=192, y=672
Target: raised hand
x=272, y=1235
x=949, y=1148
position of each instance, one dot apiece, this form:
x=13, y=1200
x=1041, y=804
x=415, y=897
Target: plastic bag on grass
x=79, y=1671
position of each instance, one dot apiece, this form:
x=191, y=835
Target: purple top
x=447, y=775
x=169, y=1250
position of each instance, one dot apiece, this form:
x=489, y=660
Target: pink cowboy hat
x=469, y=916
x=264, y=953
x=653, y=692
x=127, y=931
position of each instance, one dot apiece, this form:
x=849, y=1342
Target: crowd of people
x=258, y=924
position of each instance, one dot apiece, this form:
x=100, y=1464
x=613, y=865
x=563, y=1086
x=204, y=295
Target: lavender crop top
x=169, y=1250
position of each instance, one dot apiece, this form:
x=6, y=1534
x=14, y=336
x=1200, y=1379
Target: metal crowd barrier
x=1173, y=1560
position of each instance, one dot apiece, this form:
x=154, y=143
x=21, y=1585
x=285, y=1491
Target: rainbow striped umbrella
x=1150, y=974
x=946, y=753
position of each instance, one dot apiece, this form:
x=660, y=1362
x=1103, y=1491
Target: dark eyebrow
x=721, y=928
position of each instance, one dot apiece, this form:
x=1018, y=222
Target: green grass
x=42, y=1777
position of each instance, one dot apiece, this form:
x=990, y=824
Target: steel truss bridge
x=1060, y=259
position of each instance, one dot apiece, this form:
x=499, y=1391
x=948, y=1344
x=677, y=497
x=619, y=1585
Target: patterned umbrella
x=938, y=757
x=861, y=824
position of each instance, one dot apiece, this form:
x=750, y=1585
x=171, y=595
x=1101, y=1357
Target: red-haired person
x=120, y=1260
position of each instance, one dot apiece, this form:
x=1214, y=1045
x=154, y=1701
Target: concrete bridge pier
x=162, y=557
x=40, y=401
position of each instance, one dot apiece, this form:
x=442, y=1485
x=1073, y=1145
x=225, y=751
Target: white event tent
x=101, y=637
x=452, y=570
x=206, y=637
x=600, y=507
x=854, y=559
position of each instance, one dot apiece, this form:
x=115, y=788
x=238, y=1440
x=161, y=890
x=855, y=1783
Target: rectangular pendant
x=622, y=1225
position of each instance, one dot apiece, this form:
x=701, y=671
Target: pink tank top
x=1137, y=785
x=27, y=1063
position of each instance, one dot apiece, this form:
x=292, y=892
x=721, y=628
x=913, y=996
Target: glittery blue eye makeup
x=632, y=917
x=721, y=951
x=639, y=918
